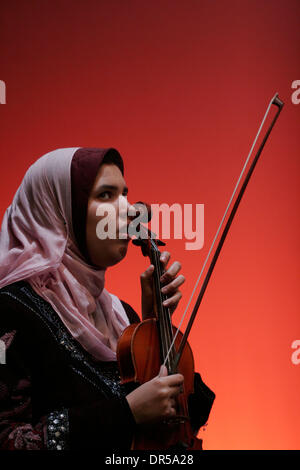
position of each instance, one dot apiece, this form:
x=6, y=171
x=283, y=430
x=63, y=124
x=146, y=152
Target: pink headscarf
x=37, y=244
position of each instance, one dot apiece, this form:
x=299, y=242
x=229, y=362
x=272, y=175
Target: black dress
x=53, y=395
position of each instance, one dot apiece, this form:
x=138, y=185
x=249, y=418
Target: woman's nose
x=139, y=209
x=126, y=210
x=132, y=211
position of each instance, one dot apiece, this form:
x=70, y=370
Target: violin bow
x=279, y=104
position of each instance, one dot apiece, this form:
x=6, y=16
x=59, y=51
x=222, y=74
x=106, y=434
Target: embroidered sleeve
x=17, y=429
x=58, y=430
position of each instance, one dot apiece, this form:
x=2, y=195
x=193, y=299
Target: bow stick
x=279, y=104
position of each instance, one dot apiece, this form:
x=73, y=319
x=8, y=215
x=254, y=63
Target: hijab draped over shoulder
x=42, y=241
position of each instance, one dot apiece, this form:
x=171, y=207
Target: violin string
x=222, y=221
x=165, y=318
x=168, y=331
x=162, y=330
x=162, y=326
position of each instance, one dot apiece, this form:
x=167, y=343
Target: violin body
x=139, y=359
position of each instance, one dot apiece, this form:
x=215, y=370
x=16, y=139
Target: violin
x=143, y=347
x=141, y=350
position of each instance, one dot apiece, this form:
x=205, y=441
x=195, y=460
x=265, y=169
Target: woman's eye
x=105, y=195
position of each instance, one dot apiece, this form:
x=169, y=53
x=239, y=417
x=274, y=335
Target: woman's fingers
x=163, y=371
x=171, y=391
x=171, y=282
x=173, y=301
x=155, y=401
x=165, y=258
x=175, y=380
x=172, y=403
x=173, y=285
x=170, y=273
x=171, y=412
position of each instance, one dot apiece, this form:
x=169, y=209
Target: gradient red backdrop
x=179, y=88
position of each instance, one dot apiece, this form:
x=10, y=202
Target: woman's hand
x=170, y=286
x=154, y=401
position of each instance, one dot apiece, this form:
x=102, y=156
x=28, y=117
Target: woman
x=59, y=386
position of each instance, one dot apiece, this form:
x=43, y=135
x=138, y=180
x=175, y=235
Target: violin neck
x=163, y=314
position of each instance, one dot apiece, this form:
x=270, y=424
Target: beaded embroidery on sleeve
x=57, y=430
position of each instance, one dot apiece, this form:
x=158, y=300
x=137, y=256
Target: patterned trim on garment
x=58, y=430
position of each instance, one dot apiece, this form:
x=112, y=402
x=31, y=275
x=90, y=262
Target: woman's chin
x=118, y=254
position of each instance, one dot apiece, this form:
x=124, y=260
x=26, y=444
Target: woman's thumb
x=163, y=371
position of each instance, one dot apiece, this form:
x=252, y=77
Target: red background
x=179, y=88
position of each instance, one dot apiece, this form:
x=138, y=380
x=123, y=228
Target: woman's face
x=108, y=194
